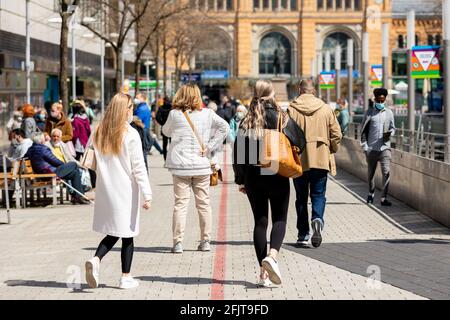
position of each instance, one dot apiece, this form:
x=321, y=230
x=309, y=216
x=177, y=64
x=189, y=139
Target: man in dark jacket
x=43, y=161
x=161, y=118
x=227, y=110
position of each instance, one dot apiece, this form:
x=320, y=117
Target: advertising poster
x=327, y=80
x=376, y=75
x=425, y=62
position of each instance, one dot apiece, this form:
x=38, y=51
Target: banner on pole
x=425, y=62
x=327, y=80
x=376, y=75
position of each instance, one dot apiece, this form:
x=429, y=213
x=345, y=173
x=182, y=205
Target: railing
x=425, y=144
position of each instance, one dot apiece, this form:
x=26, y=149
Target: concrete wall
x=421, y=183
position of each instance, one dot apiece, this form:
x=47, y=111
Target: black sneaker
x=316, y=238
x=370, y=198
x=386, y=203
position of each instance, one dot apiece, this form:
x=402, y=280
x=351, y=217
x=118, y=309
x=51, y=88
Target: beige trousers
x=182, y=191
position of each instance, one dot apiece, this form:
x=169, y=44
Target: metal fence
x=424, y=144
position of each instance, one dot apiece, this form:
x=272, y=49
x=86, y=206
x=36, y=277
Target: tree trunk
x=137, y=73
x=165, y=67
x=157, y=70
x=118, y=74
x=63, y=63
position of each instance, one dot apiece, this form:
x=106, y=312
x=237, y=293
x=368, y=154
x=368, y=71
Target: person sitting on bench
x=43, y=161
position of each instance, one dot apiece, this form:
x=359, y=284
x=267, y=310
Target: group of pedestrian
x=54, y=144
x=196, y=132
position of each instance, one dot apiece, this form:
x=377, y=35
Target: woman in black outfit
x=259, y=184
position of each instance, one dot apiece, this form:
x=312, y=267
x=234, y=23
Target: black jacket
x=163, y=114
x=245, y=166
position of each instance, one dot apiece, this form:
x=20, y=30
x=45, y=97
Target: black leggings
x=260, y=191
x=166, y=141
x=127, y=250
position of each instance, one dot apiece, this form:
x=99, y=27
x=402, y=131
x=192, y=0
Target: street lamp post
x=319, y=70
x=385, y=54
x=147, y=73
x=365, y=69
x=328, y=69
x=446, y=29
x=411, y=83
x=74, y=63
x=337, y=67
x=350, y=76
x=27, y=51
x=102, y=75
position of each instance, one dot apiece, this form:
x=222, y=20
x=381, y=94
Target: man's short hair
x=141, y=95
x=38, y=137
x=56, y=130
x=380, y=92
x=19, y=132
x=306, y=86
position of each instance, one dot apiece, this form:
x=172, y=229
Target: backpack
x=277, y=154
x=162, y=115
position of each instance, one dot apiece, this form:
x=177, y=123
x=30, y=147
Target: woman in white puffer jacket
x=188, y=159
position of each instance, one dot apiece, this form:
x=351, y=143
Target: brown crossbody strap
x=200, y=142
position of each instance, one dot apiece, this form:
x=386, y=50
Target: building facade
x=253, y=37
x=45, y=39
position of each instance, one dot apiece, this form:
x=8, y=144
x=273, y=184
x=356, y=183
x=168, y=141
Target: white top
x=122, y=182
x=183, y=156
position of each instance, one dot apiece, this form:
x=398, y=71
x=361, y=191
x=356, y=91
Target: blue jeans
x=313, y=182
x=69, y=171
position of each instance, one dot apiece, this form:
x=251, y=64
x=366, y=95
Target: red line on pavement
x=217, y=288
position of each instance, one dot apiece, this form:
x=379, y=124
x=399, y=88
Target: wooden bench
x=31, y=181
x=11, y=178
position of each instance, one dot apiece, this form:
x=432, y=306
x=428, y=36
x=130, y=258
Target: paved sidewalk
x=43, y=249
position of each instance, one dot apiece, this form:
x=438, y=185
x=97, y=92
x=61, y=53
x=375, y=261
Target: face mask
x=54, y=114
x=137, y=101
x=379, y=106
x=14, y=142
x=41, y=117
x=239, y=115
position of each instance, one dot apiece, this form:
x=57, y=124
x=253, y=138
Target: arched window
x=438, y=39
x=274, y=54
x=213, y=54
x=330, y=43
x=401, y=41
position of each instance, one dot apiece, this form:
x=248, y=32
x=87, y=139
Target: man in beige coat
x=323, y=136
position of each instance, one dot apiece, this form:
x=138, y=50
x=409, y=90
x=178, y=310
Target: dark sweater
x=245, y=166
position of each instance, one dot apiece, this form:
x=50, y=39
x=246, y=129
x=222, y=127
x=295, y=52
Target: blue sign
x=344, y=73
x=210, y=74
x=193, y=77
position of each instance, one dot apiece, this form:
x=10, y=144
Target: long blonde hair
x=254, y=122
x=188, y=97
x=109, y=134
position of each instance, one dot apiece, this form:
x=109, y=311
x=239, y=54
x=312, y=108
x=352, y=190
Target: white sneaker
x=271, y=266
x=204, y=246
x=264, y=282
x=128, y=283
x=92, y=272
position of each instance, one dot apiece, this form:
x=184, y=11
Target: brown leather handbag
x=277, y=154
x=216, y=175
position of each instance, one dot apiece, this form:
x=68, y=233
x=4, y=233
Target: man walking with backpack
x=323, y=136
x=161, y=118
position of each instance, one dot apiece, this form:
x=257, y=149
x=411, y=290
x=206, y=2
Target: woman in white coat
x=122, y=181
x=188, y=160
